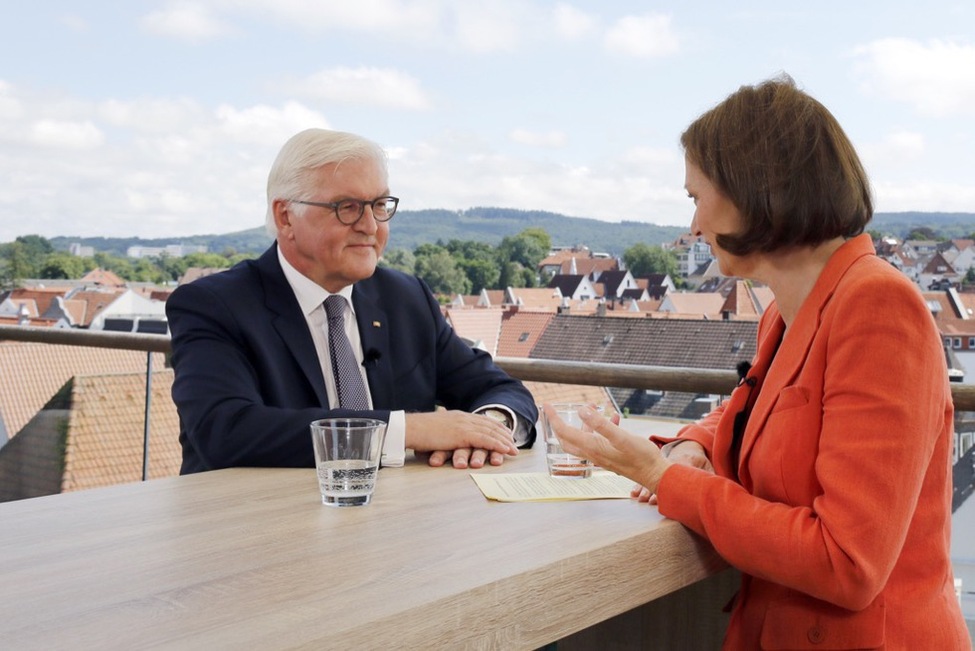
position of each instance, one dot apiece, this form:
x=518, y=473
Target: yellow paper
x=539, y=487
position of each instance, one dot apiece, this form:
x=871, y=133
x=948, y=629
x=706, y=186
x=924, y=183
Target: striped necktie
x=345, y=370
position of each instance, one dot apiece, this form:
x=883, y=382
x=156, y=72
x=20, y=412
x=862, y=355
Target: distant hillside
x=411, y=228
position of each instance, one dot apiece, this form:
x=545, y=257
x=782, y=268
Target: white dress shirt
x=311, y=298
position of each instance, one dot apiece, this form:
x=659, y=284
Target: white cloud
x=485, y=27
x=267, y=125
x=895, y=148
x=188, y=21
x=150, y=114
x=457, y=172
x=936, y=78
x=549, y=139
x=648, y=36
x=937, y=196
x=380, y=87
x=402, y=16
x=58, y=134
x=572, y=23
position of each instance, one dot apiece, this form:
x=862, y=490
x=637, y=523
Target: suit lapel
x=778, y=369
x=374, y=335
x=289, y=322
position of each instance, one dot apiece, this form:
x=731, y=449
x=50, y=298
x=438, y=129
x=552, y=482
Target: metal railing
x=659, y=378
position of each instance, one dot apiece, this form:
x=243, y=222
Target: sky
x=160, y=119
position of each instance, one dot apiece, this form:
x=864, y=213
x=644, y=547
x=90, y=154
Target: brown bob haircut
x=785, y=163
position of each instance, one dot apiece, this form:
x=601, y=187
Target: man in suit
x=251, y=345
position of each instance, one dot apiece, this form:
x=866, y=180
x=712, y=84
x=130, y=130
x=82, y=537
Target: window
x=957, y=344
x=971, y=343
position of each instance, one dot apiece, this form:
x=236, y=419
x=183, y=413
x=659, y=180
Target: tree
x=923, y=233
x=644, y=260
x=63, y=265
x=479, y=262
x=24, y=258
x=436, y=267
x=519, y=256
x=399, y=259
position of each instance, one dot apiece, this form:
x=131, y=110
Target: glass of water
x=347, y=454
x=560, y=463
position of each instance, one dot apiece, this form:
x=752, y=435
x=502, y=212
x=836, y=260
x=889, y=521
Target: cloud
x=572, y=23
x=649, y=36
x=60, y=134
x=936, y=78
x=187, y=21
x=457, y=171
x=927, y=195
x=549, y=139
x=899, y=146
x=484, y=27
x=381, y=87
x=267, y=125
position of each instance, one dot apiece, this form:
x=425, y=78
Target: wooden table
x=250, y=559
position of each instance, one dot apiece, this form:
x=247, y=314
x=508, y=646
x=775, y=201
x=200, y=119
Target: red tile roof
x=482, y=324
x=30, y=373
x=520, y=330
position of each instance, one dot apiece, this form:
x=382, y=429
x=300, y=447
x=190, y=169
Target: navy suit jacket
x=247, y=378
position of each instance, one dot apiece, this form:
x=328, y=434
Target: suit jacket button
x=816, y=635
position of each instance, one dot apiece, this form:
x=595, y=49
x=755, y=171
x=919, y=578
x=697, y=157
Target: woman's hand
x=687, y=453
x=611, y=447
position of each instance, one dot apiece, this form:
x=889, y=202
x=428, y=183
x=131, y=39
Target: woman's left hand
x=611, y=447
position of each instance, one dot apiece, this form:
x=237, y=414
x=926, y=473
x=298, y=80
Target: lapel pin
x=376, y=324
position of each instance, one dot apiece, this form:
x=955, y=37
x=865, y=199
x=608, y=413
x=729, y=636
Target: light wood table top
x=250, y=558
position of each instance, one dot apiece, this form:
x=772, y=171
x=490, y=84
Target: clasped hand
x=469, y=440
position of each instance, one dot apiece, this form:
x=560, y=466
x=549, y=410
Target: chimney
x=23, y=315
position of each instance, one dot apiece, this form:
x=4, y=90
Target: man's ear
x=282, y=216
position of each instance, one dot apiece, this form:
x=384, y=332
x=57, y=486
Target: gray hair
x=305, y=153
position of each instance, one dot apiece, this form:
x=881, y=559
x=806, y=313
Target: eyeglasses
x=349, y=211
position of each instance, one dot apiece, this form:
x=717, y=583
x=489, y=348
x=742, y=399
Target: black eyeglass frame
x=334, y=205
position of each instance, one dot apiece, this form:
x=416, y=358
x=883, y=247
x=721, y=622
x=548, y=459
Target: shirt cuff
x=520, y=429
x=394, y=445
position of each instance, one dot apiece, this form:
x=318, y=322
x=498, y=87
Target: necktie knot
x=334, y=307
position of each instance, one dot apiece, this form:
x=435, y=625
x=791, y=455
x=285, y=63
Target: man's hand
x=467, y=439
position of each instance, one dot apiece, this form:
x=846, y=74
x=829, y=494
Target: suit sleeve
x=883, y=410
x=468, y=379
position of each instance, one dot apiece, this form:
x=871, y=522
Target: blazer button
x=816, y=635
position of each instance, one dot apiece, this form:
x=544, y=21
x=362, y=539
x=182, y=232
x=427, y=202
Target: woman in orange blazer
x=826, y=476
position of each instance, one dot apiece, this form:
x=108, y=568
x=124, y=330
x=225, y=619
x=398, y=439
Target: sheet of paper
x=539, y=487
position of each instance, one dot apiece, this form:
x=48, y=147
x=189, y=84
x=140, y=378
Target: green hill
x=411, y=228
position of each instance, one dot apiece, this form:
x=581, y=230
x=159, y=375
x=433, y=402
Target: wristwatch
x=500, y=416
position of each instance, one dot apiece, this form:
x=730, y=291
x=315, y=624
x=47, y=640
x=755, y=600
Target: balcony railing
x=659, y=378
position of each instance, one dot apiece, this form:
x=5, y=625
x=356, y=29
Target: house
x=700, y=304
x=576, y=260
x=34, y=372
x=193, y=273
x=574, y=286
x=656, y=285
x=480, y=328
x=690, y=343
x=937, y=273
x=90, y=434
x=520, y=329
x=617, y=285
